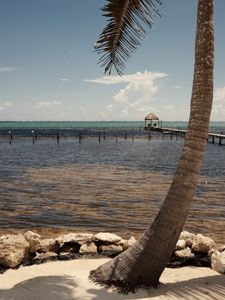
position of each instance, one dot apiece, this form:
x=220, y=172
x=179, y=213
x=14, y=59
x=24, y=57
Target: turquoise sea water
x=114, y=185
x=73, y=127
x=93, y=124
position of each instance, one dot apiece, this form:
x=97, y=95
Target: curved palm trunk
x=144, y=262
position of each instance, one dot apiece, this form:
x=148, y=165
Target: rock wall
x=31, y=248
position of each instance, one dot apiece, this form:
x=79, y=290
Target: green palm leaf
x=124, y=30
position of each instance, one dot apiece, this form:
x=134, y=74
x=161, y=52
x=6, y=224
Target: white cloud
x=219, y=94
x=64, y=79
x=169, y=107
x=4, y=105
x=6, y=69
x=7, y=104
x=218, y=110
x=46, y=104
x=136, y=77
x=132, y=100
x=109, y=108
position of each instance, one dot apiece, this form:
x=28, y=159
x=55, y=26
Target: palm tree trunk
x=144, y=262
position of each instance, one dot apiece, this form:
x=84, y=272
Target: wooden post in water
x=57, y=138
x=32, y=132
x=104, y=135
x=213, y=139
x=10, y=137
x=80, y=137
x=99, y=137
x=125, y=135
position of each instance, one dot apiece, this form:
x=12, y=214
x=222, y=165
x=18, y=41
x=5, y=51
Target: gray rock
x=34, y=241
x=218, y=262
x=88, y=248
x=13, y=249
x=108, y=237
x=202, y=244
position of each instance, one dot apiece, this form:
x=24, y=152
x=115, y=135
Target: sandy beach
x=69, y=280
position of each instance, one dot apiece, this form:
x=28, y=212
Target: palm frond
x=124, y=31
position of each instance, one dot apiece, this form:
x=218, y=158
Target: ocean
x=113, y=183
x=72, y=127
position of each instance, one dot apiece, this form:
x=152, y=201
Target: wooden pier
x=212, y=137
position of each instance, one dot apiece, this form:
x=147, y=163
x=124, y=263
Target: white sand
x=69, y=280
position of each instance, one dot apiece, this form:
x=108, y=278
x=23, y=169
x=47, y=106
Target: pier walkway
x=212, y=137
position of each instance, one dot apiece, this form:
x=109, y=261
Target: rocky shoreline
x=30, y=248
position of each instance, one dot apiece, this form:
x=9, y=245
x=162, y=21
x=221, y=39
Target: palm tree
x=144, y=262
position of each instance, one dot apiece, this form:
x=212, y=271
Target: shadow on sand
x=42, y=288
x=66, y=288
x=205, y=288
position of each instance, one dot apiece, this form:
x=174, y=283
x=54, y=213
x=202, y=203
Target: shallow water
x=110, y=186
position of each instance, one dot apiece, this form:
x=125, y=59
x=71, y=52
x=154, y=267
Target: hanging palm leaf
x=124, y=31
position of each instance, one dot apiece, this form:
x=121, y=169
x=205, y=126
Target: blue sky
x=49, y=70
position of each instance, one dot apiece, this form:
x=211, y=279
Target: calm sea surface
x=114, y=185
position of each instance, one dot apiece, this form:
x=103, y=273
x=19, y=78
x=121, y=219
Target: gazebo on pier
x=151, y=120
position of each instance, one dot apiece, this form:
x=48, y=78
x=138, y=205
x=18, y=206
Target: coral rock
x=34, y=241
x=202, y=244
x=218, y=262
x=180, y=245
x=184, y=253
x=108, y=237
x=13, y=249
x=49, y=245
x=80, y=238
x=88, y=247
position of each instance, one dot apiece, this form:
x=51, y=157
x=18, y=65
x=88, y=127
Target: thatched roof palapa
x=151, y=116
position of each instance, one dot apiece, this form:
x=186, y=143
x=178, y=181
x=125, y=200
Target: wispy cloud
x=46, y=104
x=7, y=69
x=136, y=77
x=64, y=79
x=134, y=99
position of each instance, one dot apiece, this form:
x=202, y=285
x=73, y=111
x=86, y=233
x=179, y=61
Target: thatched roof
x=151, y=116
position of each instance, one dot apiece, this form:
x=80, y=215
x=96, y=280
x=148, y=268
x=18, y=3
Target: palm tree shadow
x=42, y=287
x=207, y=288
